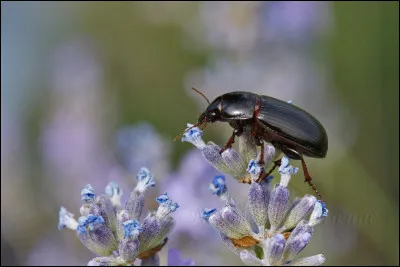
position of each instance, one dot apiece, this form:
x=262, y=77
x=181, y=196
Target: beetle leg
x=265, y=175
x=291, y=153
x=261, y=161
x=261, y=144
x=308, y=179
x=256, y=111
x=231, y=140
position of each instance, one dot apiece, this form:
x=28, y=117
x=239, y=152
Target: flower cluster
x=284, y=228
x=115, y=232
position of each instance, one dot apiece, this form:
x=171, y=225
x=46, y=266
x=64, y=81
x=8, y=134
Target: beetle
x=288, y=128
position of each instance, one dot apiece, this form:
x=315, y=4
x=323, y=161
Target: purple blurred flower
x=71, y=140
x=140, y=145
x=190, y=179
x=292, y=21
x=175, y=259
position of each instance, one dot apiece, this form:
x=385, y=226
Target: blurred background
x=90, y=92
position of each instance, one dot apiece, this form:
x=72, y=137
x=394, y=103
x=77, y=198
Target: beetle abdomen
x=294, y=124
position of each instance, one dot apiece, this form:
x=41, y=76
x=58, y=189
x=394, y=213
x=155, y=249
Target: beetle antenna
x=202, y=126
x=200, y=93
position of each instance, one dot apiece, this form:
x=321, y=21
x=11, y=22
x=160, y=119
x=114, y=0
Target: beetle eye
x=212, y=116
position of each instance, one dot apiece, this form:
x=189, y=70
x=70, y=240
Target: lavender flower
x=175, y=259
x=115, y=234
x=284, y=227
x=218, y=187
x=141, y=145
x=229, y=161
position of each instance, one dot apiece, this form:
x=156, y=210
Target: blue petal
x=81, y=229
x=66, y=219
x=218, y=185
x=132, y=228
x=324, y=209
x=163, y=198
x=145, y=176
x=253, y=168
x=111, y=188
x=192, y=134
x=90, y=220
x=285, y=168
x=87, y=193
x=173, y=207
x=207, y=213
x=166, y=206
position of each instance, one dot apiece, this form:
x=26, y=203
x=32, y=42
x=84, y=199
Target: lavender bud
x=295, y=246
x=235, y=164
x=95, y=235
x=274, y=248
x=269, y=152
x=211, y=154
x=166, y=225
x=194, y=136
x=319, y=213
x=129, y=244
x=135, y=204
x=315, y=260
x=236, y=221
x=87, y=199
x=104, y=208
x=302, y=227
x=66, y=220
x=299, y=210
x=166, y=206
x=122, y=216
x=151, y=228
x=114, y=192
x=250, y=259
x=258, y=202
x=106, y=261
x=215, y=219
x=207, y=213
x=145, y=180
x=278, y=206
x=87, y=194
x=128, y=249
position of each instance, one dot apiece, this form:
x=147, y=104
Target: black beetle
x=289, y=128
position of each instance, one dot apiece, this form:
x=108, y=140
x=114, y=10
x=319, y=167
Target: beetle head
x=212, y=113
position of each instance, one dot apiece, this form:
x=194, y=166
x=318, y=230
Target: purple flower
x=268, y=206
x=218, y=186
x=292, y=20
x=175, y=259
x=115, y=233
x=140, y=145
